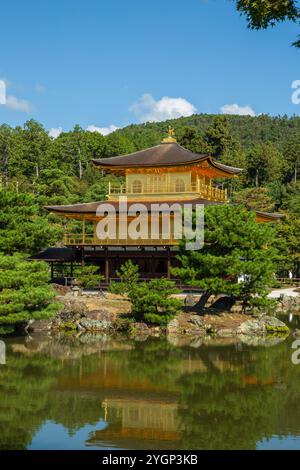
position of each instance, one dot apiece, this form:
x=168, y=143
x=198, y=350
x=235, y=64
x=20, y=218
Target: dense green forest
x=59, y=170
x=36, y=170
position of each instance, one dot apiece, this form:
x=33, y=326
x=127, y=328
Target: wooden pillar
x=117, y=265
x=106, y=268
x=169, y=264
x=51, y=270
x=152, y=267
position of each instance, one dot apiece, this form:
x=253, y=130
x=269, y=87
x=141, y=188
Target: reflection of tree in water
x=218, y=414
x=234, y=409
x=73, y=410
x=28, y=398
x=154, y=360
x=227, y=398
x=25, y=382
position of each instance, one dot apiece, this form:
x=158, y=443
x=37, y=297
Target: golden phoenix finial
x=171, y=131
x=170, y=138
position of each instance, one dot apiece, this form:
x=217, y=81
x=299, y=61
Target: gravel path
x=275, y=294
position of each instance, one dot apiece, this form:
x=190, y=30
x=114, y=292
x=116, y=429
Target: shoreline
x=110, y=314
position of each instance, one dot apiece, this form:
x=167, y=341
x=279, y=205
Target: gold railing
x=212, y=193
x=71, y=239
x=201, y=189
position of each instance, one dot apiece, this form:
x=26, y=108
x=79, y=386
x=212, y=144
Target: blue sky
x=103, y=63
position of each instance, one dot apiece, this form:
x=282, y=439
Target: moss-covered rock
x=262, y=325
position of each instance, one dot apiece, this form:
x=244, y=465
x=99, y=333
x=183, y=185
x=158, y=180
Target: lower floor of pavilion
x=154, y=262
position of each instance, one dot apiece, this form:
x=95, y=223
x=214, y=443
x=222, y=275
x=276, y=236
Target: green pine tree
x=25, y=293
x=151, y=300
x=22, y=227
x=236, y=247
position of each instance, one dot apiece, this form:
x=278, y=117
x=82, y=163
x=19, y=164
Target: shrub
x=89, y=277
x=24, y=292
x=151, y=300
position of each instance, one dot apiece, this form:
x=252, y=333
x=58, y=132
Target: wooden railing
x=201, y=189
x=81, y=239
x=289, y=281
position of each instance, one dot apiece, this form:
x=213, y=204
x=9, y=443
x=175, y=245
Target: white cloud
x=149, y=109
x=2, y=92
x=6, y=81
x=11, y=101
x=55, y=132
x=236, y=109
x=18, y=104
x=102, y=130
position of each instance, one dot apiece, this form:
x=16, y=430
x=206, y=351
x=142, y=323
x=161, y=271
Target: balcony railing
x=71, y=239
x=199, y=188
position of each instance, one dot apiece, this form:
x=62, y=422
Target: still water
x=101, y=392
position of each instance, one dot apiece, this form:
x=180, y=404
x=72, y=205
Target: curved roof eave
x=91, y=207
x=163, y=155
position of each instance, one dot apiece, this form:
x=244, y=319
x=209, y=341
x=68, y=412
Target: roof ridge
x=190, y=151
x=127, y=154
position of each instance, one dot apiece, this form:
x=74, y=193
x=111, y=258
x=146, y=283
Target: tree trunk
x=37, y=170
x=79, y=162
x=256, y=178
x=202, y=301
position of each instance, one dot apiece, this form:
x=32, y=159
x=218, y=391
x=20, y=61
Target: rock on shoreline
x=103, y=314
x=287, y=303
x=262, y=325
x=226, y=325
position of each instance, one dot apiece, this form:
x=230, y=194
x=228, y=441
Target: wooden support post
x=106, y=266
x=51, y=270
x=169, y=264
x=152, y=267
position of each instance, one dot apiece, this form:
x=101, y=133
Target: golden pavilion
x=165, y=173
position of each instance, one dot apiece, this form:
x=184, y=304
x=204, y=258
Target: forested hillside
x=36, y=170
x=247, y=129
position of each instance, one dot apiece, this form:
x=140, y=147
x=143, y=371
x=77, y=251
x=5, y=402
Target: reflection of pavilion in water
x=139, y=412
x=139, y=423
x=148, y=420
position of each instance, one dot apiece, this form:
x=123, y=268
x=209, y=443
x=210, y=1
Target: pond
x=102, y=392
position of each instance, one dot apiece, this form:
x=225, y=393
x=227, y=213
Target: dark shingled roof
x=165, y=154
x=55, y=254
x=91, y=207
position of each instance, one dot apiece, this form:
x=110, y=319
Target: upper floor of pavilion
x=168, y=171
